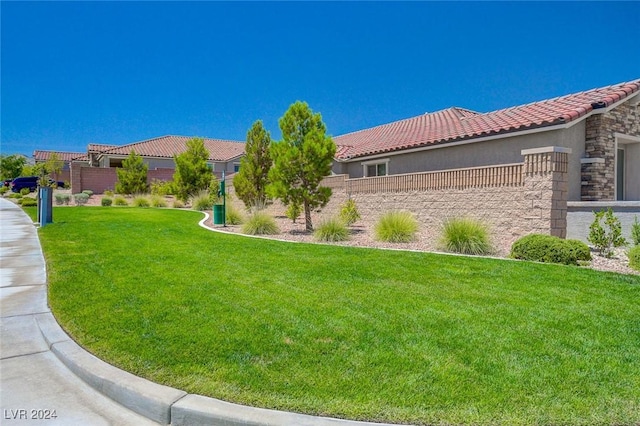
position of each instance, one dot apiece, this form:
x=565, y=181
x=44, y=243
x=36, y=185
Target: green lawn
x=357, y=333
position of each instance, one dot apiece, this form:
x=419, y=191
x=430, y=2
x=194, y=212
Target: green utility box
x=218, y=214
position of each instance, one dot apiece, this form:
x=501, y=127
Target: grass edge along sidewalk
x=346, y=332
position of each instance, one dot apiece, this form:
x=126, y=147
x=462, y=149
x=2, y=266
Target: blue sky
x=74, y=73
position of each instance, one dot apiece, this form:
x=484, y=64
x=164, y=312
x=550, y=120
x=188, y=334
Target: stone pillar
x=545, y=189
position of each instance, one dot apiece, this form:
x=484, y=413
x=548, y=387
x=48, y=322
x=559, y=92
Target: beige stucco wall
x=475, y=154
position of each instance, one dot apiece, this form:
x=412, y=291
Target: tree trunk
x=307, y=217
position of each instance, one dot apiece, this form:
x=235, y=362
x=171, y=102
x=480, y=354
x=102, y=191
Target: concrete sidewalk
x=35, y=386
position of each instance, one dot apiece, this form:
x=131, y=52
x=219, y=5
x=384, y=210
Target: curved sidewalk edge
x=163, y=404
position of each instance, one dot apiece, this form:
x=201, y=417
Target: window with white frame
x=376, y=168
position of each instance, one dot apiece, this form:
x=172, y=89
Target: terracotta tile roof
x=40, y=155
x=454, y=124
x=168, y=146
x=99, y=147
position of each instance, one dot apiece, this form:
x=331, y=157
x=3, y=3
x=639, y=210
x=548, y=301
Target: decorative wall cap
x=591, y=160
x=545, y=149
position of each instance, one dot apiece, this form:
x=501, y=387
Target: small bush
x=106, y=202
x=161, y=187
x=28, y=202
x=177, y=204
x=233, y=216
x=80, y=199
x=202, y=201
x=4, y=189
x=66, y=185
x=550, y=249
x=635, y=231
x=349, y=213
x=158, y=201
x=63, y=199
x=108, y=193
x=25, y=191
x=634, y=257
x=465, y=236
x=396, y=227
x=14, y=195
x=120, y=201
x=140, y=201
x=88, y=192
x=332, y=229
x=293, y=211
x=260, y=223
x=605, y=238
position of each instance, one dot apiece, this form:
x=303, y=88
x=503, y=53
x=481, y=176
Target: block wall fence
x=514, y=200
x=99, y=179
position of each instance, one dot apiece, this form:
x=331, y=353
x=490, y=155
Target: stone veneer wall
x=536, y=202
x=598, y=168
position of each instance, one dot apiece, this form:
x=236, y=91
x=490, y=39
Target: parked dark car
x=30, y=182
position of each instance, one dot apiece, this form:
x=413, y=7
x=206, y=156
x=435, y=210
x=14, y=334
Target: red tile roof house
x=528, y=162
x=96, y=170
x=42, y=156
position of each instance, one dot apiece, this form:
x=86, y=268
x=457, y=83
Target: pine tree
x=251, y=180
x=132, y=177
x=193, y=174
x=301, y=160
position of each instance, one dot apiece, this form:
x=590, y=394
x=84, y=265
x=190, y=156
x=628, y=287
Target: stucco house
x=598, y=128
x=96, y=169
x=41, y=156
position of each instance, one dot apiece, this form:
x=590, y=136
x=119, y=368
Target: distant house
x=599, y=128
x=41, y=156
x=96, y=169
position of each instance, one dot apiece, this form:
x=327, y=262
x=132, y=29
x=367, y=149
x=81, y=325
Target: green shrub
x=550, y=249
x=161, y=187
x=202, y=201
x=332, y=229
x=66, y=185
x=80, y=199
x=465, y=236
x=158, y=201
x=233, y=215
x=260, y=223
x=108, y=193
x=140, y=201
x=635, y=231
x=293, y=211
x=605, y=238
x=120, y=201
x=349, y=213
x=14, y=195
x=396, y=227
x=88, y=192
x=25, y=191
x=63, y=199
x=4, y=189
x=634, y=257
x=177, y=204
x=28, y=202
x=106, y=201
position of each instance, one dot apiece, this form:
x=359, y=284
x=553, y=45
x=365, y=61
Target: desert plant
x=396, y=227
x=88, y=192
x=332, y=229
x=260, y=223
x=132, y=177
x=202, y=201
x=233, y=215
x=120, y=201
x=25, y=191
x=349, y=212
x=63, y=199
x=465, y=236
x=80, y=199
x=158, y=201
x=140, y=201
x=177, y=204
x=635, y=231
x=606, y=238
x=106, y=201
x=28, y=202
x=550, y=249
x=634, y=257
x=293, y=211
x=4, y=189
x=161, y=187
x=108, y=193
x=14, y=195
